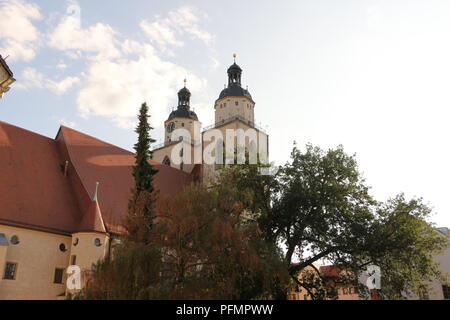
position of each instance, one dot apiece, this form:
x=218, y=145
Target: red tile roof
x=35, y=193
x=330, y=271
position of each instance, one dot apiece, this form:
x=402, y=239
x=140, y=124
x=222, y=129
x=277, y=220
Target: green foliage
x=200, y=247
x=132, y=273
x=319, y=208
x=224, y=242
x=143, y=171
x=140, y=207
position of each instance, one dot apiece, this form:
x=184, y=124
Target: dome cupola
x=183, y=109
x=234, y=88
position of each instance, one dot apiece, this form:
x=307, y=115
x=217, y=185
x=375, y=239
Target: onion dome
x=183, y=110
x=234, y=88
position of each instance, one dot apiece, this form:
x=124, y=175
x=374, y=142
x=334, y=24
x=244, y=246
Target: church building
x=186, y=146
x=63, y=200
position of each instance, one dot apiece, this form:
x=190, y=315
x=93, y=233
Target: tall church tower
x=234, y=101
x=234, y=137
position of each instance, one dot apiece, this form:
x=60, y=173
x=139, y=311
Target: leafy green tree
x=319, y=208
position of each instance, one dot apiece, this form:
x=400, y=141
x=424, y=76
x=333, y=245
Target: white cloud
x=161, y=33
x=116, y=89
x=34, y=79
x=121, y=73
x=99, y=39
x=129, y=72
x=181, y=22
x=18, y=36
x=65, y=122
x=61, y=65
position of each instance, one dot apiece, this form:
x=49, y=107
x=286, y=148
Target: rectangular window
x=73, y=260
x=446, y=292
x=58, y=275
x=10, y=271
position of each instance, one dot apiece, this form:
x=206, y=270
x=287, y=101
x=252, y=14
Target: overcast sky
x=373, y=76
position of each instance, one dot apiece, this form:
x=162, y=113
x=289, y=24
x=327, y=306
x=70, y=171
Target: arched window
x=166, y=161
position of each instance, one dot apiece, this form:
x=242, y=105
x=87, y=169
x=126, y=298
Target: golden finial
x=234, y=57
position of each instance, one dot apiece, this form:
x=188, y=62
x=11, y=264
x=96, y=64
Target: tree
x=210, y=249
x=318, y=206
x=133, y=273
x=200, y=247
x=140, y=208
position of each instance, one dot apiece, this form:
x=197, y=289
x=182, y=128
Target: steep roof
x=35, y=193
x=92, y=219
x=95, y=160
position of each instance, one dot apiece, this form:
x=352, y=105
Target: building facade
x=6, y=77
x=63, y=200
x=233, y=138
x=62, y=203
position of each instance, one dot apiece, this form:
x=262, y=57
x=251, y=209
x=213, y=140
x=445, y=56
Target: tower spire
x=234, y=73
x=96, y=192
x=184, y=96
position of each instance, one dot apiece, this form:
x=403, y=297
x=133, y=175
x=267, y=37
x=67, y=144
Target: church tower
x=181, y=118
x=234, y=137
x=234, y=101
x=181, y=134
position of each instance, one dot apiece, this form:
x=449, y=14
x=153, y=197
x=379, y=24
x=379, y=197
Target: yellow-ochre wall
x=37, y=256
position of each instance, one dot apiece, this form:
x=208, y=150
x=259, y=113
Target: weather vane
x=184, y=82
x=234, y=57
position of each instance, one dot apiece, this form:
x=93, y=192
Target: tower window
x=58, y=275
x=10, y=271
x=182, y=124
x=97, y=242
x=166, y=161
x=15, y=240
x=236, y=103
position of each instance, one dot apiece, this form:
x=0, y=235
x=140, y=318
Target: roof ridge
x=17, y=127
x=71, y=159
x=97, y=139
